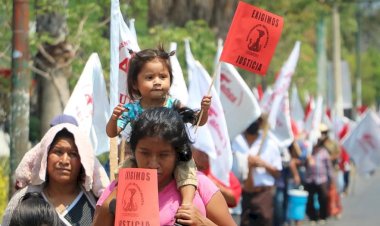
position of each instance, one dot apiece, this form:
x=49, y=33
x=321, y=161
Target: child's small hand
x=206, y=102
x=117, y=111
x=189, y=215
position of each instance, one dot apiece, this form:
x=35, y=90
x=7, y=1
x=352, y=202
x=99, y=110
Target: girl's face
x=153, y=81
x=156, y=153
x=63, y=163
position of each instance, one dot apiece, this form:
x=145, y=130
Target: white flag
x=198, y=87
x=121, y=40
x=240, y=105
x=266, y=100
x=178, y=88
x=296, y=110
x=363, y=143
x=282, y=83
x=241, y=108
x=133, y=29
x=313, y=121
x=283, y=130
x=89, y=105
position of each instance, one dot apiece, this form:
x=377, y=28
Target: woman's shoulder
x=206, y=187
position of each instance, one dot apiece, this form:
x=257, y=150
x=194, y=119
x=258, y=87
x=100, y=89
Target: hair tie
x=172, y=53
x=131, y=52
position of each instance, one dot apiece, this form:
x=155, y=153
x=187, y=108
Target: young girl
x=33, y=210
x=149, y=80
x=159, y=140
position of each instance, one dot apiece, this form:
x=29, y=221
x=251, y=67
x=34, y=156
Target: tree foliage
x=88, y=23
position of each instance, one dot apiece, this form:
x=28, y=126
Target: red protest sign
x=252, y=38
x=137, y=197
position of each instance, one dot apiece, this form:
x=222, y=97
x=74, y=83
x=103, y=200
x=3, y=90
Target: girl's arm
x=112, y=129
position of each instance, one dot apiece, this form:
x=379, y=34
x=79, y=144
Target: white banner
x=121, y=41
x=363, y=143
x=266, y=100
x=240, y=105
x=89, y=105
x=283, y=131
x=313, y=121
x=296, y=110
x=198, y=87
x=178, y=88
x=132, y=28
x=282, y=83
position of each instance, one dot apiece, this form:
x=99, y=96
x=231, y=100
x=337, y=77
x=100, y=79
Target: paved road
x=362, y=206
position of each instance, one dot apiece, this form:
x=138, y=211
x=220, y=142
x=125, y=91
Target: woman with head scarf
x=63, y=174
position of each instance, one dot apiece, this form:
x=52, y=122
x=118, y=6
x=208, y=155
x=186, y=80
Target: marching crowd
x=63, y=181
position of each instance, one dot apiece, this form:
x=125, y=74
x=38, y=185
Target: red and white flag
x=121, y=40
x=313, y=121
x=363, y=143
x=296, y=109
x=241, y=108
x=266, y=99
x=89, y=104
x=282, y=83
x=198, y=87
x=283, y=129
x=178, y=88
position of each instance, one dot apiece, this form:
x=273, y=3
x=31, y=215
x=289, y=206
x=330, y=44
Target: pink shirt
x=170, y=197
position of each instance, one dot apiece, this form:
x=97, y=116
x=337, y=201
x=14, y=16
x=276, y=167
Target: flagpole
x=208, y=93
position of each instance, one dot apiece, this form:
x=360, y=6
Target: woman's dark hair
x=166, y=123
x=64, y=133
x=34, y=210
x=138, y=61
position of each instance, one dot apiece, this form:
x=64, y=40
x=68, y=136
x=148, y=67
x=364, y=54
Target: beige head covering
x=323, y=128
x=85, y=151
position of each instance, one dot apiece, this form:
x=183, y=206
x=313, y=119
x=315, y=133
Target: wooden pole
x=20, y=97
x=113, y=157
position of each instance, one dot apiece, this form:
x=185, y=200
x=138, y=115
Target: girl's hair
x=33, y=210
x=138, y=61
x=64, y=133
x=167, y=124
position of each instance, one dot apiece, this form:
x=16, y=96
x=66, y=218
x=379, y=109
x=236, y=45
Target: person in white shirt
x=264, y=165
